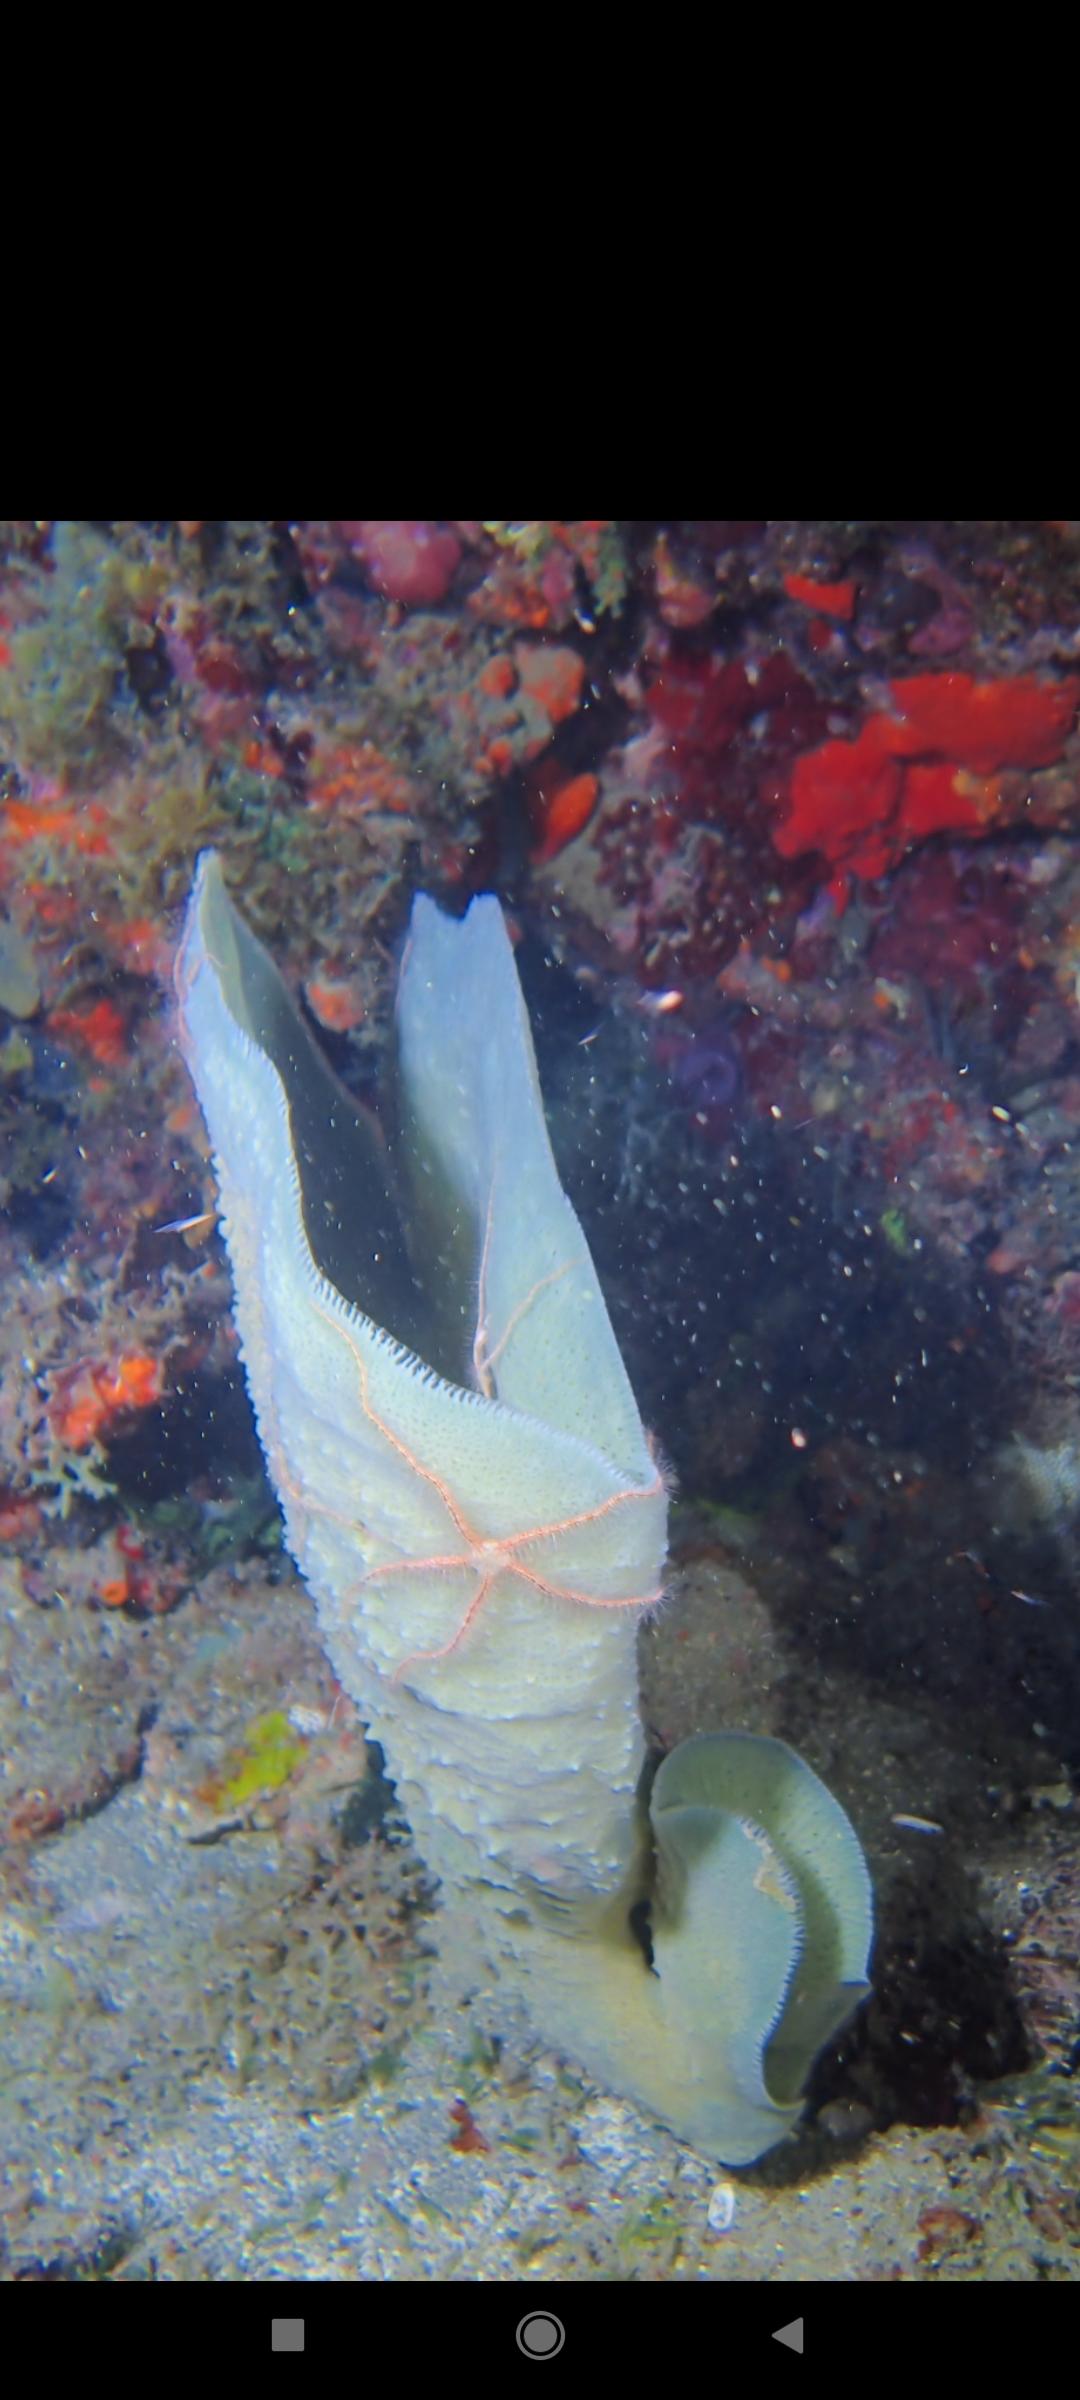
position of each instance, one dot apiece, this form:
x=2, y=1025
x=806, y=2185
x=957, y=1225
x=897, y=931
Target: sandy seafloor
x=231, y=2053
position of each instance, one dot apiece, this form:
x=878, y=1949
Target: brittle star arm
x=483, y=1356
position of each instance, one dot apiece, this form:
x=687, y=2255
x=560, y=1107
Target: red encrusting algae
x=926, y=766
x=94, y=1395
x=560, y=807
x=101, y=1029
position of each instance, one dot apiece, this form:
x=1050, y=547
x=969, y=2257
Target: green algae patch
x=894, y=1227
x=269, y=1753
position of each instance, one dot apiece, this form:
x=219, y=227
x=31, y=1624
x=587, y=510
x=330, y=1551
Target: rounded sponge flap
x=761, y=1926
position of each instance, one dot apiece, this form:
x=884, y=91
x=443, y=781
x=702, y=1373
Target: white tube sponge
x=479, y=1557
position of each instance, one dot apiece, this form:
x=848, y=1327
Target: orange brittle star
x=487, y=1557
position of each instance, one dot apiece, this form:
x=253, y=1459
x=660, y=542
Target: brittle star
x=487, y=1557
x=490, y=1558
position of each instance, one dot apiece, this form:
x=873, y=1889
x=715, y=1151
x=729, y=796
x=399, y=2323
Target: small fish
x=997, y=1582
x=186, y=1224
x=659, y=1004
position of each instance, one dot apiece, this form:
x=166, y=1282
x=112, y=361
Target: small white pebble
x=720, y=2214
x=307, y=1720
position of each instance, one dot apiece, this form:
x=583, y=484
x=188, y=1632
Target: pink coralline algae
x=408, y=559
x=951, y=923
x=683, y=823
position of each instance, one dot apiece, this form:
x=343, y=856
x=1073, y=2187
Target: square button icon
x=288, y=2333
